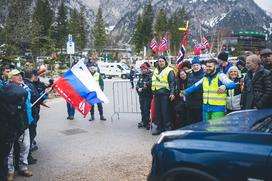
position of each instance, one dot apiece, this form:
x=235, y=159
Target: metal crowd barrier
x=125, y=99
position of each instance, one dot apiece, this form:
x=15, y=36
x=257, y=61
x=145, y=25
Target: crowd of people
x=21, y=95
x=203, y=90
x=197, y=91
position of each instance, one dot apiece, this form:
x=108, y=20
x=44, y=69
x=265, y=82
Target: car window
x=120, y=67
x=264, y=125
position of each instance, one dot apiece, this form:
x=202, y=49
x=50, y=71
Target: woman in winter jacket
x=234, y=95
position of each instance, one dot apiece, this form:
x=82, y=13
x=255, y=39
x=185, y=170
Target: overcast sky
x=265, y=4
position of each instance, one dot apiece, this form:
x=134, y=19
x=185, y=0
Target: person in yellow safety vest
x=163, y=86
x=214, y=85
x=100, y=82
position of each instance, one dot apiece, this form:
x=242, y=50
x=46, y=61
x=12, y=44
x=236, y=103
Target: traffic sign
x=70, y=47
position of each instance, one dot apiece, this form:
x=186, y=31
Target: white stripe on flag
x=82, y=73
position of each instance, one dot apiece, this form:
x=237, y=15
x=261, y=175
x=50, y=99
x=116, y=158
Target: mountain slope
x=207, y=16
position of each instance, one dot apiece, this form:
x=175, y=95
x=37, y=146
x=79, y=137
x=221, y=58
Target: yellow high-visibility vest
x=96, y=77
x=160, y=81
x=210, y=95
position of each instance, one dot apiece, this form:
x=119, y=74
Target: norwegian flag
x=181, y=54
x=163, y=46
x=197, y=48
x=182, y=50
x=154, y=45
x=204, y=43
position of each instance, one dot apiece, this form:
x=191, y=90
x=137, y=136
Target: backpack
x=13, y=116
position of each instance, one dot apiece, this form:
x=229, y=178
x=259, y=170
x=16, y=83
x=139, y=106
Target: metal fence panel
x=125, y=99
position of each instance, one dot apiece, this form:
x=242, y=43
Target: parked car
x=236, y=147
x=109, y=70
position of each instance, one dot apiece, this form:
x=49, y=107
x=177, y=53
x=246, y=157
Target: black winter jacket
x=257, y=90
x=13, y=114
x=34, y=96
x=144, y=82
x=195, y=99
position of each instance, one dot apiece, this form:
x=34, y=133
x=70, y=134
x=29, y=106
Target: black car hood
x=238, y=121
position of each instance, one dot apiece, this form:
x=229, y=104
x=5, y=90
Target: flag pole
x=42, y=96
x=38, y=99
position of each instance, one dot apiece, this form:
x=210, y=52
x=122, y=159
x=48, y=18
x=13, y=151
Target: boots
x=92, y=117
x=141, y=124
x=102, y=118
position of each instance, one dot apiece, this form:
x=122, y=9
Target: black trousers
x=5, y=148
x=145, y=105
x=100, y=109
x=163, y=112
x=193, y=115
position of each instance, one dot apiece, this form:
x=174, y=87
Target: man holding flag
x=100, y=82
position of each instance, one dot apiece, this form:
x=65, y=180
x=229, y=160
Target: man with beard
x=266, y=56
x=214, y=85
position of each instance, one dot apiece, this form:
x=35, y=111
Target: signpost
x=70, y=47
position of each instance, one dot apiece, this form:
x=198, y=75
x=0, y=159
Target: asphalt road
x=77, y=149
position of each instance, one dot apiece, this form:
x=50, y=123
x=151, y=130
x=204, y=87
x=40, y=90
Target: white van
x=109, y=70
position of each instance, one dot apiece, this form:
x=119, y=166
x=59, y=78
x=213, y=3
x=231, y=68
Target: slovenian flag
x=163, y=45
x=78, y=87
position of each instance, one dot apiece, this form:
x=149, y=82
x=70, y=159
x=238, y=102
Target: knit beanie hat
x=187, y=64
x=196, y=61
x=223, y=56
x=143, y=66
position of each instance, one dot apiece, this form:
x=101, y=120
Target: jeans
x=24, y=144
x=70, y=110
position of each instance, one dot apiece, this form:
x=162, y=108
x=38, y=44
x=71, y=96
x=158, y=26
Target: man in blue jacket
x=214, y=85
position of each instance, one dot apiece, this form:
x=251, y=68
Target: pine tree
x=82, y=29
x=42, y=20
x=73, y=26
x=48, y=17
x=99, y=33
x=18, y=26
x=160, y=26
x=77, y=27
x=61, y=27
x=138, y=36
x=36, y=41
x=147, y=23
